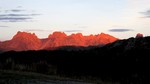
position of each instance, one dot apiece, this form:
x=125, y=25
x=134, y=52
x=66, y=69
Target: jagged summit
x=57, y=34
x=29, y=41
x=22, y=41
x=58, y=39
x=24, y=35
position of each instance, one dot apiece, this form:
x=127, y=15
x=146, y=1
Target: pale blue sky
x=120, y=18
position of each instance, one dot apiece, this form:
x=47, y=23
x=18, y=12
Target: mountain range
x=123, y=61
x=24, y=41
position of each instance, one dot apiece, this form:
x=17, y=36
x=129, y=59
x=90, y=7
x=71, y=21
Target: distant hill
x=24, y=41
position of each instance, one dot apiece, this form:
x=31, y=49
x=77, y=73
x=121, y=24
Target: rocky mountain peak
x=25, y=35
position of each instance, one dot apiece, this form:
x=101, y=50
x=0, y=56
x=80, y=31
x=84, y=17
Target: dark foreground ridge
x=123, y=61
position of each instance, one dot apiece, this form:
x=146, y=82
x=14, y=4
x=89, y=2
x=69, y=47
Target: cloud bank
x=146, y=14
x=36, y=30
x=3, y=26
x=120, y=30
x=16, y=15
x=72, y=31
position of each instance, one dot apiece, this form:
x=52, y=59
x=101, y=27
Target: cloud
x=80, y=26
x=19, y=6
x=36, y=30
x=83, y=26
x=17, y=15
x=146, y=14
x=16, y=10
x=42, y=30
x=3, y=26
x=14, y=19
x=120, y=30
x=11, y=15
x=72, y=30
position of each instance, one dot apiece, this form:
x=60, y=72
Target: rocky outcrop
x=139, y=35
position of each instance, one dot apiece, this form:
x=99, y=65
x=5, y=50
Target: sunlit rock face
x=22, y=41
x=58, y=39
x=104, y=39
x=139, y=35
x=75, y=40
x=54, y=40
x=27, y=41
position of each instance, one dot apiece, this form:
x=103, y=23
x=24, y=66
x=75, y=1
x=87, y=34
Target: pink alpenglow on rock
x=24, y=41
x=139, y=35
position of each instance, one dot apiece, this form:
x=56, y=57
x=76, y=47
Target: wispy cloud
x=72, y=31
x=83, y=27
x=120, y=30
x=19, y=6
x=14, y=19
x=36, y=30
x=146, y=13
x=16, y=10
x=3, y=26
x=12, y=15
x=17, y=15
x=80, y=26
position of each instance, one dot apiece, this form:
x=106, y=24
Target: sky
x=120, y=18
